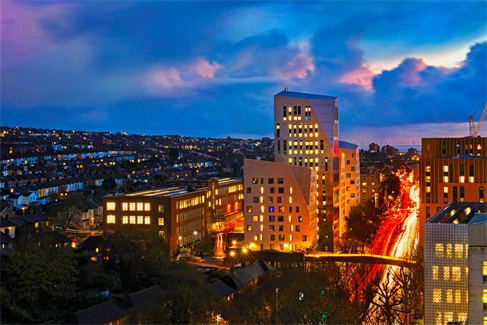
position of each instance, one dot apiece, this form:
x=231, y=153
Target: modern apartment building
x=455, y=264
x=370, y=186
x=280, y=206
x=306, y=135
x=451, y=170
x=184, y=217
x=349, y=181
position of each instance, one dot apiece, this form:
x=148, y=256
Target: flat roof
x=293, y=94
x=222, y=181
x=347, y=145
x=461, y=213
x=170, y=191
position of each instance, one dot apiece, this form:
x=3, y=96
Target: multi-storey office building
x=280, y=206
x=455, y=264
x=184, y=217
x=370, y=185
x=451, y=170
x=349, y=181
x=306, y=135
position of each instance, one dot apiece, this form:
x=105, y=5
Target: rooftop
x=293, y=94
x=347, y=145
x=471, y=213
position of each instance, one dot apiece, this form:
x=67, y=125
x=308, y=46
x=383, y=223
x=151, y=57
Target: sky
x=402, y=70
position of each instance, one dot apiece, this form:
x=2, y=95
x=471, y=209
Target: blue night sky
x=402, y=70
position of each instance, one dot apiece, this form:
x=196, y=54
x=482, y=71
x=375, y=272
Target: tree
x=109, y=184
x=362, y=224
x=386, y=304
x=174, y=153
x=38, y=280
x=67, y=213
x=185, y=298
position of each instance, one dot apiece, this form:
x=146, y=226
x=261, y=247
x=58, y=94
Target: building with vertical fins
x=306, y=135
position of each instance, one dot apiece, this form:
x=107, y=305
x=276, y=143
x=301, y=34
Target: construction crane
x=475, y=130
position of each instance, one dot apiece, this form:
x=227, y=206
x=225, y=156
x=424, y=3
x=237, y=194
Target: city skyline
x=402, y=70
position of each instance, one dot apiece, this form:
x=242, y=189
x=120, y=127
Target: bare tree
x=67, y=213
x=386, y=304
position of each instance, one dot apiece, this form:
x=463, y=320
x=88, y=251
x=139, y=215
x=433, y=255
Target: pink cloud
x=205, y=69
x=298, y=67
x=163, y=79
x=361, y=76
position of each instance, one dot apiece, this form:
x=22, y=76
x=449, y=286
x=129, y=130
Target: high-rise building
x=451, y=170
x=184, y=217
x=455, y=264
x=306, y=135
x=349, y=181
x=280, y=206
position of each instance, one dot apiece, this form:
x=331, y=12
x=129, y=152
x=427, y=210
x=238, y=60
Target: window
x=348, y=175
x=481, y=194
x=281, y=228
x=271, y=199
x=297, y=209
x=449, y=250
x=249, y=190
x=280, y=218
x=110, y=206
x=147, y=220
x=437, y=295
x=271, y=218
x=456, y=273
x=125, y=220
x=446, y=273
x=300, y=219
x=449, y=296
x=140, y=206
x=273, y=237
x=132, y=206
x=281, y=209
x=458, y=296
x=132, y=220
x=279, y=199
x=147, y=206
x=256, y=237
x=160, y=208
x=256, y=218
x=462, y=194
x=304, y=237
x=272, y=190
x=271, y=209
x=484, y=271
x=160, y=221
x=110, y=219
x=255, y=181
x=125, y=206
x=140, y=220
x=484, y=298
x=298, y=228
x=439, y=250
x=458, y=250
x=249, y=209
x=271, y=228
x=281, y=190
x=249, y=228
x=280, y=181
x=435, y=272
x=282, y=237
x=352, y=169
x=271, y=180
x=352, y=194
x=256, y=199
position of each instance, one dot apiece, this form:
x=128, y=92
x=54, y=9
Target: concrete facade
x=306, y=134
x=349, y=181
x=452, y=241
x=279, y=206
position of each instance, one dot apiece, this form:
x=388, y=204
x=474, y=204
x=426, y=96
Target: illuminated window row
x=440, y=250
x=132, y=206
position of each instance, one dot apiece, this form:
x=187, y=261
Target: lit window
x=256, y=218
x=110, y=206
x=456, y=273
x=256, y=238
x=462, y=317
x=132, y=206
x=262, y=209
x=161, y=222
x=140, y=206
x=435, y=272
x=484, y=298
x=147, y=220
x=110, y=219
x=140, y=220
x=446, y=273
x=439, y=250
x=125, y=206
x=449, y=296
x=458, y=250
x=147, y=206
x=438, y=318
x=132, y=220
x=125, y=220
x=484, y=271
x=448, y=317
x=161, y=208
x=449, y=250
x=437, y=295
x=458, y=296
